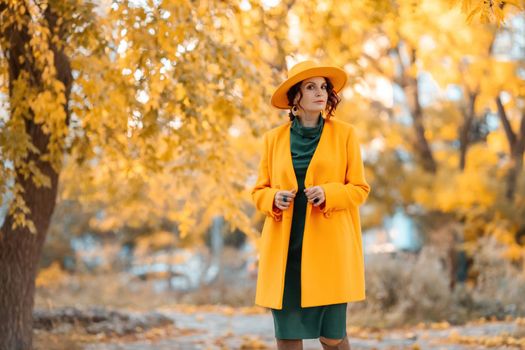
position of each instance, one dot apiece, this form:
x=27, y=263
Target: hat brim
x=336, y=75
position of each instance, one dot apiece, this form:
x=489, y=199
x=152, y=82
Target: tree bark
x=20, y=250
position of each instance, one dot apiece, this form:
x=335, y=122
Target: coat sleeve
x=355, y=190
x=262, y=194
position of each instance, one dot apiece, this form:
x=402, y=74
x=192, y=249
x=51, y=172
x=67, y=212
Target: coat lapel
x=290, y=180
x=318, y=153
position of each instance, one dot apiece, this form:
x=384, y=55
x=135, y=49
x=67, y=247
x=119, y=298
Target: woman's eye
x=310, y=87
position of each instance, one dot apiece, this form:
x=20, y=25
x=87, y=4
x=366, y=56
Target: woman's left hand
x=313, y=193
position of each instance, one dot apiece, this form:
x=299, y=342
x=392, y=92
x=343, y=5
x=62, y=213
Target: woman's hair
x=331, y=103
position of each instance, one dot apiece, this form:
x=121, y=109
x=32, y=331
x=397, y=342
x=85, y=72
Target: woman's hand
x=315, y=195
x=283, y=199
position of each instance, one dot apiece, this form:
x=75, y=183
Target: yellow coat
x=332, y=264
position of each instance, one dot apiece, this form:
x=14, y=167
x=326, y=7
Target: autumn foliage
x=150, y=117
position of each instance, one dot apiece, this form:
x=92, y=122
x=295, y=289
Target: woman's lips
x=319, y=101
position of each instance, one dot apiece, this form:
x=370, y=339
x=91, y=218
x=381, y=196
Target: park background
x=142, y=121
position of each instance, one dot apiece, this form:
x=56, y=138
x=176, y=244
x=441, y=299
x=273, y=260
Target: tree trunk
x=517, y=148
x=422, y=145
x=19, y=256
x=410, y=86
x=464, y=131
x=515, y=168
x=20, y=250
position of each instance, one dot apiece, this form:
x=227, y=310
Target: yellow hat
x=304, y=70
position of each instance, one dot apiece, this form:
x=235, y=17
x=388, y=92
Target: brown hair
x=331, y=103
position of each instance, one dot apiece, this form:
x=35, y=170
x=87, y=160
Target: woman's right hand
x=283, y=199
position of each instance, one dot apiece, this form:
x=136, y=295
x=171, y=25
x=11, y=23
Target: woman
x=310, y=184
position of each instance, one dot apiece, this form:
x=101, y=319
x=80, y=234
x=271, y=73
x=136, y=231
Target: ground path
x=230, y=328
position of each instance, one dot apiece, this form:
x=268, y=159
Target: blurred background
x=169, y=101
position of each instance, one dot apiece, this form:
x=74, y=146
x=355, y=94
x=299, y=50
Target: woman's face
x=315, y=95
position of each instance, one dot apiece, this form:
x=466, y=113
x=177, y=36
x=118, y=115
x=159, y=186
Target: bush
x=402, y=289
x=500, y=284
x=405, y=289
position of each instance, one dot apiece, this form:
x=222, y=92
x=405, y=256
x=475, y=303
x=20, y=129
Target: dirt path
x=233, y=329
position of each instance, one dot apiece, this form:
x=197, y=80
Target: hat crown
x=301, y=66
x=303, y=70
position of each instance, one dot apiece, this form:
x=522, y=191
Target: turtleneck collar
x=309, y=132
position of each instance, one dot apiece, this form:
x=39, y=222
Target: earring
x=295, y=110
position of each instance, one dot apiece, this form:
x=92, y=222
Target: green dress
x=293, y=321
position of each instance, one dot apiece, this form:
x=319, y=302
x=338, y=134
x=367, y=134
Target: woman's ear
x=296, y=99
